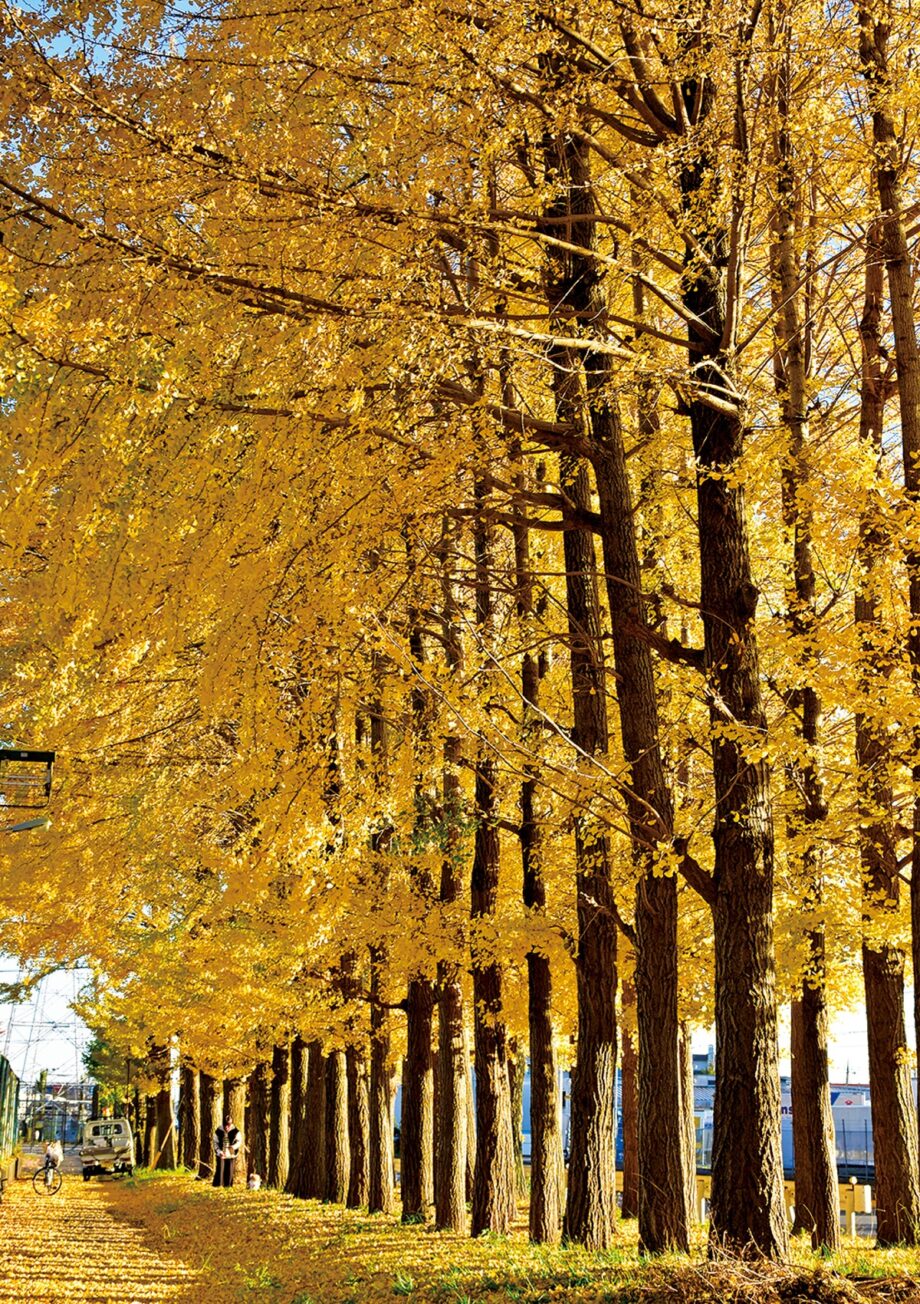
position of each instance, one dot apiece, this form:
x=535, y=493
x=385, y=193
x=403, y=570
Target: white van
x=107, y=1147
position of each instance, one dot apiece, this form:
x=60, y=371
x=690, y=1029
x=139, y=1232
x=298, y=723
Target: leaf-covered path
x=82, y=1244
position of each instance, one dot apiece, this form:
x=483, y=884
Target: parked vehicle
x=107, y=1147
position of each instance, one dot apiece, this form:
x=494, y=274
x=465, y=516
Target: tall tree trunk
x=493, y=1180
x=662, y=1211
x=315, y=1134
x=902, y=1220
x=259, y=1119
x=211, y=1101
x=337, y=1155
x=629, y=1207
x=816, y=1196
x=748, y=1209
x=416, y=1131
x=150, y=1131
x=517, y=1071
x=894, y=1126
x=545, y=1219
x=166, y=1130
x=381, y=1187
x=450, y=1174
x=687, y=1111
x=416, y=1139
x=298, y=1179
x=380, y=1157
x=590, y=1198
x=358, y=1127
x=235, y=1107
x=190, y=1116
x=279, y=1151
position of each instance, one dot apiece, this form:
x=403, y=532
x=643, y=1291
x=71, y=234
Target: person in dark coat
x=226, y=1149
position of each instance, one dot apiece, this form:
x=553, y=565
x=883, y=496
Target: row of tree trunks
x=575, y=293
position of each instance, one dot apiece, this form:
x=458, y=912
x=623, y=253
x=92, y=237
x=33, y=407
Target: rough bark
x=451, y=1151
x=629, y=1207
x=590, y=1197
x=166, y=1130
x=416, y=1131
x=315, y=1133
x=190, y=1116
x=337, y=1155
x=493, y=1179
x=517, y=1069
x=150, y=1130
x=298, y=1178
x=748, y=1212
x=894, y=1126
x=875, y=24
x=687, y=1112
x=816, y=1196
x=211, y=1090
x=358, y=1127
x=545, y=1217
x=381, y=1197
x=279, y=1151
x=259, y=1119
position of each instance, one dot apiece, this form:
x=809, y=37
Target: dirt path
x=77, y=1245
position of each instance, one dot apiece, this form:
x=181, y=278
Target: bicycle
x=47, y=1180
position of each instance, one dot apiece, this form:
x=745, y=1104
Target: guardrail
x=855, y=1198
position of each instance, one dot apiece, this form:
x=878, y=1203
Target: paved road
x=77, y=1246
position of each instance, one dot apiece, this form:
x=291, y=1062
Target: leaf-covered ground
x=173, y=1239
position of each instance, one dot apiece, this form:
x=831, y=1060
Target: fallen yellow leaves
x=170, y=1238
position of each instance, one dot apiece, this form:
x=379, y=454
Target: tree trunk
x=235, y=1098
x=688, y=1113
x=816, y=1196
x=517, y=1071
x=493, y=1179
x=894, y=1126
x=259, y=1120
x=337, y=1155
x=279, y=1151
x=150, y=1131
x=450, y=1179
x=166, y=1130
x=629, y=1207
x=748, y=1211
x=298, y=1178
x=451, y=1150
x=358, y=1127
x=381, y=1186
x=662, y=1211
x=315, y=1135
x=903, y=1219
x=416, y=1131
x=545, y=1220
x=211, y=1090
x=190, y=1116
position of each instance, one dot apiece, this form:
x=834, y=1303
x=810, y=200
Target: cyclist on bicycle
x=54, y=1154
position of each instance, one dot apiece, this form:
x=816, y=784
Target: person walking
x=226, y=1149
